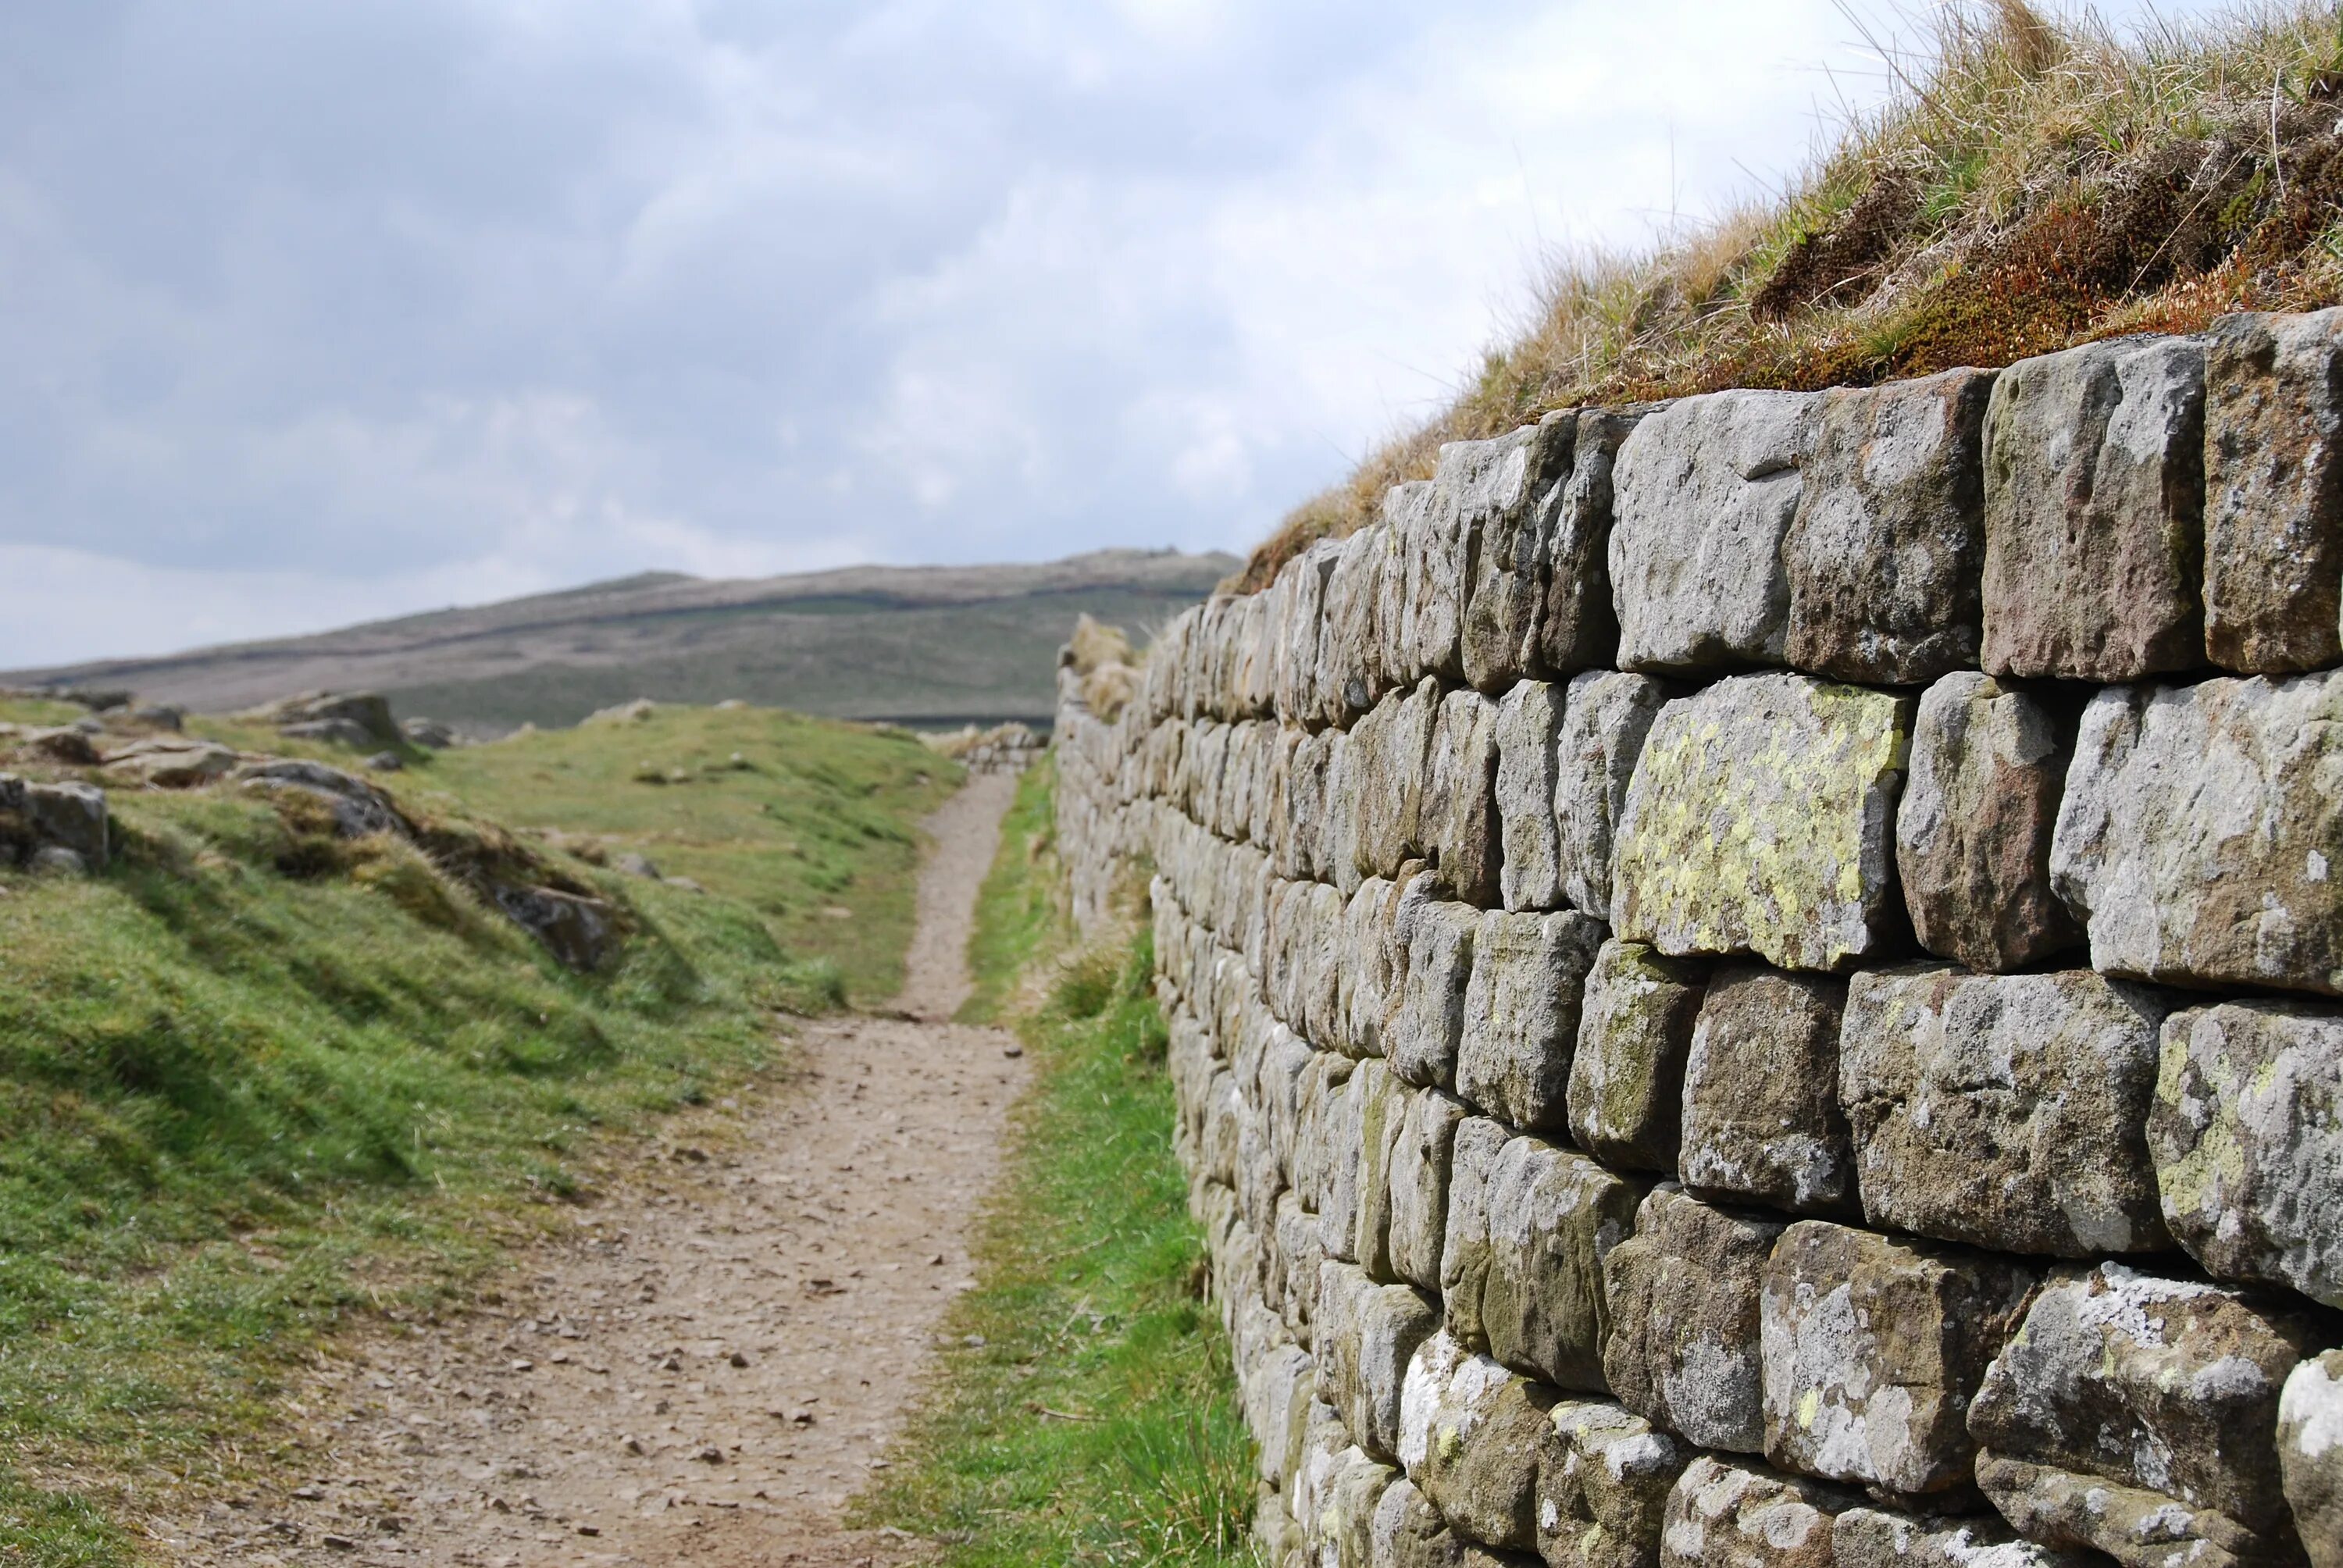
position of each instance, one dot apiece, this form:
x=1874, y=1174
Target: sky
x=317, y=313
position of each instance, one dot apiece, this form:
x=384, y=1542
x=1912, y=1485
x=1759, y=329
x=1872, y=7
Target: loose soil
x=712, y=1362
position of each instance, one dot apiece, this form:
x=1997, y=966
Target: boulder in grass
x=173, y=764
x=583, y=933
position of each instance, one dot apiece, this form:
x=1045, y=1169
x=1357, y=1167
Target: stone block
x=2138, y=1417
x=2247, y=1133
x=1409, y=1532
x=1506, y=492
x=1625, y=1096
x=1351, y=676
x=1365, y=992
x=2197, y=832
x=1298, y=619
x=1685, y=1348
x=1761, y=1111
x=1381, y=788
x=1460, y=797
x=1973, y=829
x=1419, y=1184
x=1464, y=1249
x=1886, y=550
x=1402, y=521
x=1524, y=1277
x=1874, y=1347
x=2094, y=512
x=2310, y=1455
x=1366, y=1335
x=1705, y=490
x=1338, y=1508
x=1473, y=1437
x=1603, y=1495
x=1521, y=1014
x=2274, y=492
x=1437, y=539
x=1580, y=629
x=1529, y=720
x=1342, y=1161
x=1726, y=1515
x=1877, y=1538
x=2008, y=1111
x=1432, y=947
x=1761, y=819
x=1606, y=714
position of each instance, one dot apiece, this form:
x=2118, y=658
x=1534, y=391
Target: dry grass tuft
x=2035, y=180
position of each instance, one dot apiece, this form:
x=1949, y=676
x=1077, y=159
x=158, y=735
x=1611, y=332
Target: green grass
x=1083, y=1411
x=246, y=1091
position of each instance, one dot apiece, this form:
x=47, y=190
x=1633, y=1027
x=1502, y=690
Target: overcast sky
x=319, y=310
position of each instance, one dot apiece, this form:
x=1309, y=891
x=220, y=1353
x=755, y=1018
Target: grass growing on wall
x=1083, y=1411
x=245, y=1095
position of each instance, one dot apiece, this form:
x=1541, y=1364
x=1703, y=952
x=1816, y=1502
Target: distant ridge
x=936, y=645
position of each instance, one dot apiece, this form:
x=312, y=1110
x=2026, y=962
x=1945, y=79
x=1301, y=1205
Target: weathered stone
x=1366, y=1336
x=2247, y=1132
x=1603, y=1495
x=1464, y=1249
x=1402, y=522
x=1876, y=1538
x=1419, y=1184
x=1460, y=797
x=65, y=745
x=1580, y=629
x=2093, y=498
x=581, y=932
x=1874, y=1347
x=2310, y=1455
x=2167, y=1389
x=2006, y=1111
x=1506, y=492
x=1342, y=1159
x=1381, y=788
x=69, y=817
x=1973, y=829
x=2274, y=491
x=1521, y=1014
x=2198, y=831
x=1368, y=965
x=1353, y=672
x=1627, y=1075
x=1524, y=1276
x=1684, y=1348
x=1338, y=1507
x=1295, y=622
x=1885, y=554
x=1383, y=1112
x=1473, y=1436
x=1761, y=1111
x=171, y=764
x=1528, y=721
x=1409, y=1532
x=353, y=808
x=1705, y=488
x=1606, y=714
x=1425, y=1023
x=1728, y=1515
x=1762, y=819
x=1436, y=540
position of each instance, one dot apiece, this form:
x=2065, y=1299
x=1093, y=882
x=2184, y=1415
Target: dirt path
x=711, y=1363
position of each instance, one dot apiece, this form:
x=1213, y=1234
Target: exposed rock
x=1473, y=1437
x=2138, y=1417
x=1425, y=1025
x=1683, y=1345
x=171, y=764
x=636, y=865
x=2247, y=1132
x=160, y=716
x=1761, y=1111
x=2006, y=1111
x=581, y=932
x=1762, y=819
x=1626, y=1096
x=1973, y=830
x=67, y=747
x=1507, y=492
x=634, y=712
x=1581, y=630
x=2197, y=831
x=2274, y=491
x=357, y=807
x=386, y=762
x=1724, y=1514
x=1885, y=552
x=1876, y=1538
x=1874, y=1347
x=1705, y=488
x=53, y=820
x=1460, y=797
x=329, y=732
x=1602, y=1493
x=1419, y=1184
x=1521, y=1014
x=57, y=860
x=1366, y=1334
x=347, y=717
x=1605, y=717
x=2310, y=1455
x=2093, y=498
x=1528, y=719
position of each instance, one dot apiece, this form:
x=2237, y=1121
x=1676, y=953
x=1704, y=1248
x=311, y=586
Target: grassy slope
x=1083, y=1413
x=2033, y=183
x=237, y=1105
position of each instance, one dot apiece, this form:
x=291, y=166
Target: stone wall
x=1750, y=980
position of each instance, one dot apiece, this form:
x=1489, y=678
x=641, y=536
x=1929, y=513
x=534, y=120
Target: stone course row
x=1703, y=1034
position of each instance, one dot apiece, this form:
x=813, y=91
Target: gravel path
x=712, y=1362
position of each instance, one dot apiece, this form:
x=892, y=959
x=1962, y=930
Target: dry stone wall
x=1750, y=982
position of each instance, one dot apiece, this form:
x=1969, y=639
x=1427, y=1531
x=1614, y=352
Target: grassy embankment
x=252, y=1084
x=1084, y=1412
x=2035, y=180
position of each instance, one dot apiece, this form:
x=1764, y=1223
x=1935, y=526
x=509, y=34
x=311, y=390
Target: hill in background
x=918, y=645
